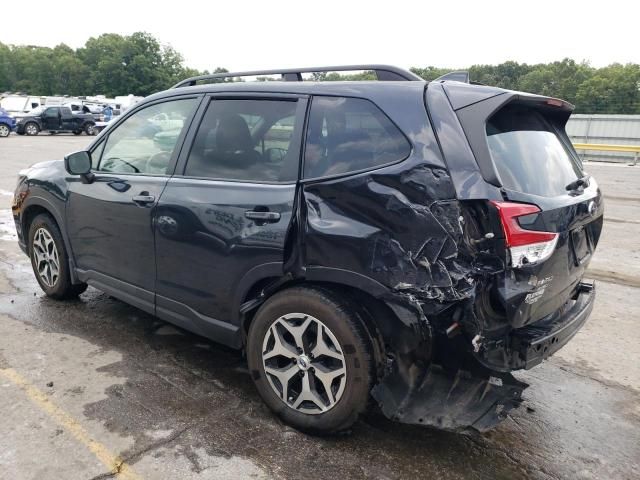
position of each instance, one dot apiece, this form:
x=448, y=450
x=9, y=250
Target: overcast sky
x=241, y=35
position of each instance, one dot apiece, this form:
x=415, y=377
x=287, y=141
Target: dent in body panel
x=406, y=232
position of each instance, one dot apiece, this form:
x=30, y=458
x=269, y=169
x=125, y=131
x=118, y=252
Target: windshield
x=528, y=153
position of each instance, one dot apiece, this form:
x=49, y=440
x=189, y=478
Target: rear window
x=528, y=154
x=350, y=134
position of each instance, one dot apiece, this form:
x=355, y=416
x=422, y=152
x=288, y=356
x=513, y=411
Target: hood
x=41, y=165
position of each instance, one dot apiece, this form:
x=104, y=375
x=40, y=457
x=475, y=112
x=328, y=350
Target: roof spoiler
x=383, y=73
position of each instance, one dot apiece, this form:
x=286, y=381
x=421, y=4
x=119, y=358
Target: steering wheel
x=158, y=163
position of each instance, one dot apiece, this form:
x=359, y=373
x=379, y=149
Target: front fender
x=43, y=188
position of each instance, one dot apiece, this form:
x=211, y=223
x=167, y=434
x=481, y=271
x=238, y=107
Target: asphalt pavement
x=94, y=388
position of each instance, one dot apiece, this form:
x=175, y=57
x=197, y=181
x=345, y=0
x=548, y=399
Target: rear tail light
x=526, y=246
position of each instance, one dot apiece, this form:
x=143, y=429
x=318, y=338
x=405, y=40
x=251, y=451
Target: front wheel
x=310, y=359
x=4, y=130
x=49, y=259
x=32, y=128
x=90, y=129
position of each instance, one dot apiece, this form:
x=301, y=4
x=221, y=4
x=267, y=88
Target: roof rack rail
x=383, y=72
x=460, y=76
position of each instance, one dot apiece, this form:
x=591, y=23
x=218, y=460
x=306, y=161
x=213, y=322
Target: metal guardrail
x=610, y=148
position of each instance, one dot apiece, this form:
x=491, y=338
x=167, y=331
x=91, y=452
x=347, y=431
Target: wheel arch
x=34, y=207
x=371, y=300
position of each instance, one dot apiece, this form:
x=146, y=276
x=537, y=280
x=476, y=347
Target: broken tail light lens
x=525, y=246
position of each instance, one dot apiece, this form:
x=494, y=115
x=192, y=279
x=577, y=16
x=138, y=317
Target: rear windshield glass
x=528, y=154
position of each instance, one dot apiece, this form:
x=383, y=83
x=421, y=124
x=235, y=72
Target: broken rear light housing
x=526, y=247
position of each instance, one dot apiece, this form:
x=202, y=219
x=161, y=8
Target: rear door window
x=246, y=140
x=348, y=135
x=528, y=154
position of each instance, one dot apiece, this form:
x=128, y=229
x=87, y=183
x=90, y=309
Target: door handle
x=265, y=217
x=143, y=199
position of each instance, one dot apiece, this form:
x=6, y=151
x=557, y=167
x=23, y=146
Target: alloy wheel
x=46, y=257
x=4, y=131
x=304, y=363
x=31, y=129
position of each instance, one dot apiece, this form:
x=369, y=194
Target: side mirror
x=79, y=163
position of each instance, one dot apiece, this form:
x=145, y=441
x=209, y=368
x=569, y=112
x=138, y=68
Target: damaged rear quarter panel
x=402, y=226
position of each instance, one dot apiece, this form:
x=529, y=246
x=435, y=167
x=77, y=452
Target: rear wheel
x=31, y=128
x=90, y=129
x=310, y=359
x=49, y=259
x=4, y=130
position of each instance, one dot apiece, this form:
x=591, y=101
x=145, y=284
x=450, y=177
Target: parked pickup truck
x=55, y=119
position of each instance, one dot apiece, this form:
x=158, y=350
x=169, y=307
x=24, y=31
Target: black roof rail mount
x=383, y=73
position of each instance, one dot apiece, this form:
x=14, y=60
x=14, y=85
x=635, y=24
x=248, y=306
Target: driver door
x=109, y=221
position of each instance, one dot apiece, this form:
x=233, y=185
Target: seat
x=234, y=145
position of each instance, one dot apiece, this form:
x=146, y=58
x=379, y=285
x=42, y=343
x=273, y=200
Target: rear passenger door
x=51, y=118
x=223, y=217
x=67, y=119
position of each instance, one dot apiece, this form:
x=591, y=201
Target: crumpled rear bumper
x=535, y=343
x=528, y=346
x=456, y=402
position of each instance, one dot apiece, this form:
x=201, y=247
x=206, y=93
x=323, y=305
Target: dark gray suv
x=410, y=241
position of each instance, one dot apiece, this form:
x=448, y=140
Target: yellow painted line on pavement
x=115, y=464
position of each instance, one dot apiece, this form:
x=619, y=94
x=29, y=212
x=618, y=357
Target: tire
x=90, y=129
x=31, y=129
x=46, y=249
x=4, y=130
x=343, y=357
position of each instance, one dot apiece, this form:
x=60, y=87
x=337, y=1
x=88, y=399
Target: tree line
x=113, y=64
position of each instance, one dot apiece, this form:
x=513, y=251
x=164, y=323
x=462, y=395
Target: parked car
x=7, y=123
x=406, y=240
x=54, y=120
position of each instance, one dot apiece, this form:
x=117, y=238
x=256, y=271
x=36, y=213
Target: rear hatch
x=547, y=220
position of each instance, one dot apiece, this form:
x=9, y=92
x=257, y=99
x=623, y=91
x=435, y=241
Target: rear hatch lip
x=550, y=204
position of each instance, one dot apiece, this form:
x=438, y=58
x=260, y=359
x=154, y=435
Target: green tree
x=6, y=68
x=612, y=89
x=430, y=73
x=113, y=64
x=557, y=79
x=503, y=75
x=70, y=75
